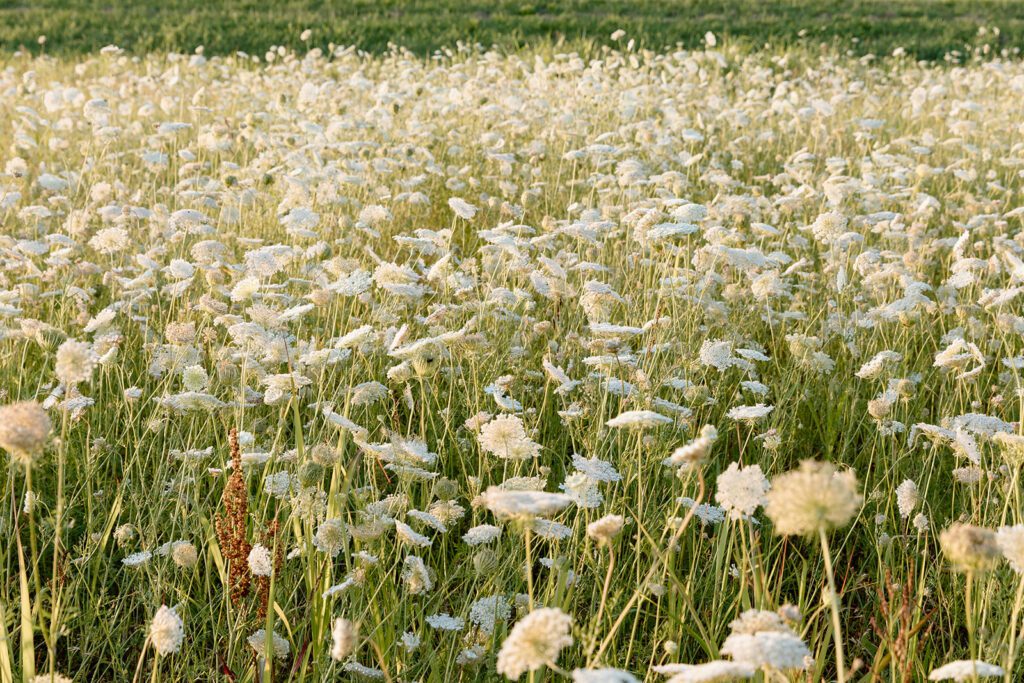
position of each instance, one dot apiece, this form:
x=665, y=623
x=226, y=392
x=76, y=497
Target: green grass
x=925, y=28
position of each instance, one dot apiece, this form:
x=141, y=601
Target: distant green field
x=927, y=29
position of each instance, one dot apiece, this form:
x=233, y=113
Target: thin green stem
x=837, y=629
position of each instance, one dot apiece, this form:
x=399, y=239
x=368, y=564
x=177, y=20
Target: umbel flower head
x=811, y=498
x=166, y=631
x=24, y=430
x=760, y=638
x=965, y=670
x=970, y=548
x=534, y=642
x=344, y=635
x=1011, y=542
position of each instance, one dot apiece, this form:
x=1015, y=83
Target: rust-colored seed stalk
x=230, y=526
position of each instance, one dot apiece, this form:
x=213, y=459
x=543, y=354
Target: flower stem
x=1014, y=618
x=837, y=629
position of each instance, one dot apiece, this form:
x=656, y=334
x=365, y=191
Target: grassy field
x=925, y=28
x=527, y=358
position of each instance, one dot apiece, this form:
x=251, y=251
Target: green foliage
x=927, y=29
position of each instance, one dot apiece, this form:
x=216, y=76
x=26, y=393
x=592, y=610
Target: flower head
x=166, y=631
x=534, y=642
x=811, y=498
x=24, y=430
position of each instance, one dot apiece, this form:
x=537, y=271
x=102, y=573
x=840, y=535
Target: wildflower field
x=689, y=365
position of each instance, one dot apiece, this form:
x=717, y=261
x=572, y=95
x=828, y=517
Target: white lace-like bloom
x=814, y=496
x=605, y=529
x=330, y=537
x=445, y=622
x=406, y=534
x=970, y=548
x=602, y=676
x=260, y=561
x=638, y=419
x=749, y=414
x=194, y=378
x=965, y=670
x=75, y=362
x=695, y=452
x=522, y=504
x=344, y=636
x=258, y=642
x=505, y=437
x=462, y=208
x=416, y=576
x=278, y=485
x=535, y=641
x=374, y=214
x=24, y=430
x=775, y=649
x=110, y=240
x=741, y=490
x=595, y=468
x=184, y=554
x=362, y=671
x=717, y=671
x=56, y=678
x=717, y=354
x=137, y=559
x=484, y=533
x=166, y=631
x=486, y=612
x=583, y=490
x=1011, y=543
x=873, y=368
x=829, y=226
x=907, y=497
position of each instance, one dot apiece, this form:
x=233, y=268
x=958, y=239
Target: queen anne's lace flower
x=534, y=641
x=166, y=631
x=813, y=497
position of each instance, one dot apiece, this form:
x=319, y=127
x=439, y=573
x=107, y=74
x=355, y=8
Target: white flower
x=406, y=534
x=1010, y=540
x=813, y=497
x=906, y=497
x=260, y=561
x=638, y=419
x=749, y=414
x=344, y=636
x=510, y=504
x=602, y=676
x=606, y=528
x=445, y=622
x=258, y=642
x=462, y=208
x=484, y=533
x=965, y=670
x=137, y=559
x=194, y=378
x=776, y=649
x=534, y=641
x=709, y=672
x=166, y=631
x=741, y=490
x=330, y=537
x=75, y=362
x=505, y=437
x=486, y=612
